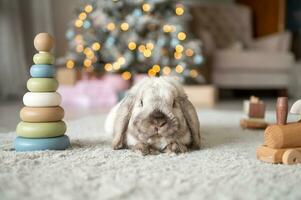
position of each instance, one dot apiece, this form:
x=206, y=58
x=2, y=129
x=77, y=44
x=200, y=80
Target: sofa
x=236, y=59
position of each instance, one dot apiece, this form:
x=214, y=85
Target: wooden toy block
x=281, y=110
x=283, y=136
x=253, y=123
x=274, y=156
x=257, y=110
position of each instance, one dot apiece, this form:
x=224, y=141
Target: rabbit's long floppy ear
x=192, y=121
x=189, y=112
x=122, y=119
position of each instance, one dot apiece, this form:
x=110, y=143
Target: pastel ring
x=43, y=58
x=41, y=130
x=41, y=114
x=42, y=99
x=56, y=143
x=42, y=71
x=42, y=84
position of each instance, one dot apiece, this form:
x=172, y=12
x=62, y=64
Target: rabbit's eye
x=141, y=102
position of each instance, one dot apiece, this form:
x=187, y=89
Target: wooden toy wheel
x=291, y=157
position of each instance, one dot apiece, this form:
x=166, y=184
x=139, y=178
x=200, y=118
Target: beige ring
x=41, y=114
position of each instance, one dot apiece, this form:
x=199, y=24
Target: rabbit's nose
x=158, y=115
x=159, y=118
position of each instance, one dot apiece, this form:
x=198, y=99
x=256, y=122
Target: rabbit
x=155, y=116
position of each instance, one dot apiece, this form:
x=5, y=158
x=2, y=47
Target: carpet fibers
x=226, y=167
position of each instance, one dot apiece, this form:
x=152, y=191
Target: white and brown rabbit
x=154, y=117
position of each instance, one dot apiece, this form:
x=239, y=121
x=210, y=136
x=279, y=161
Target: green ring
x=42, y=85
x=43, y=58
x=41, y=130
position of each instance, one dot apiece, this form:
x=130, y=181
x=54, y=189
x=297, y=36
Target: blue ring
x=27, y=144
x=42, y=71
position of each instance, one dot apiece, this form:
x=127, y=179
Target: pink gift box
x=93, y=93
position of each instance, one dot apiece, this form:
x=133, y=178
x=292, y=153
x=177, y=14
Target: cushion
x=249, y=80
x=252, y=60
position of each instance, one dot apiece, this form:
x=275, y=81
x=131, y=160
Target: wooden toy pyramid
x=282, y=141
x=42, y=127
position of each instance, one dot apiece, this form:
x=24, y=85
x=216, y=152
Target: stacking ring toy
x=56, y=143
x=41, y=130
x=42, y=85
x=42, y=99
x=41, y=114
x=43, y=58
x=42, y=71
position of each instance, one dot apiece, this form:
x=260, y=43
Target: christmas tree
x=134, y=36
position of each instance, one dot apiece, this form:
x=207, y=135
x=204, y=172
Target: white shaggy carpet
x=226, y=168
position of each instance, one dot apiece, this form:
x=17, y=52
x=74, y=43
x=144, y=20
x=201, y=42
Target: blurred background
x=223, y=51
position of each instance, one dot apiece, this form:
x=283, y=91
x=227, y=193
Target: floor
x=226, y=167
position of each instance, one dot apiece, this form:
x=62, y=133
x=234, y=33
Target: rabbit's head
x=156, y=106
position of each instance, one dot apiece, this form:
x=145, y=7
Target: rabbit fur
x=155, y=116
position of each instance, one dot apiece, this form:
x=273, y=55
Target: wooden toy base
x=286, y=156
x=253, y=124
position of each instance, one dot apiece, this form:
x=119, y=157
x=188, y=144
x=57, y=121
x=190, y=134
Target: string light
x=151, y=72
x=146, y=7
x=89, y=53
x=82, y=16
x=111, y=26
x=79, y=48
x=156, y=68
x=178, y=55
x=150, y=45
x=116, y=66
x=78, y=23
x=132, y=46
x=179, y=10
x=96, y=46
x=87, y=62
x=108, y=67
x=179, y=69
x=193, y=73
x=124, y=26
x=167, y=28
x=189, y=52
x=147, y=53
x=70, y=64
x=87, y=50
x=141, y=48
x=121, y=60
x=88, y=8
x=166, y=70
x=181, y=36
x=179, y=48
x=126, y=75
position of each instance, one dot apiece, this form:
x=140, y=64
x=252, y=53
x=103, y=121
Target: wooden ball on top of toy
x=43, y=42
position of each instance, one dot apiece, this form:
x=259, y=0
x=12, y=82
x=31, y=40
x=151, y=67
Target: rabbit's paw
x=175, y=147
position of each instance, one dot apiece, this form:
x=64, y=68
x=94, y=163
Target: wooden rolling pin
x=283, y=136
